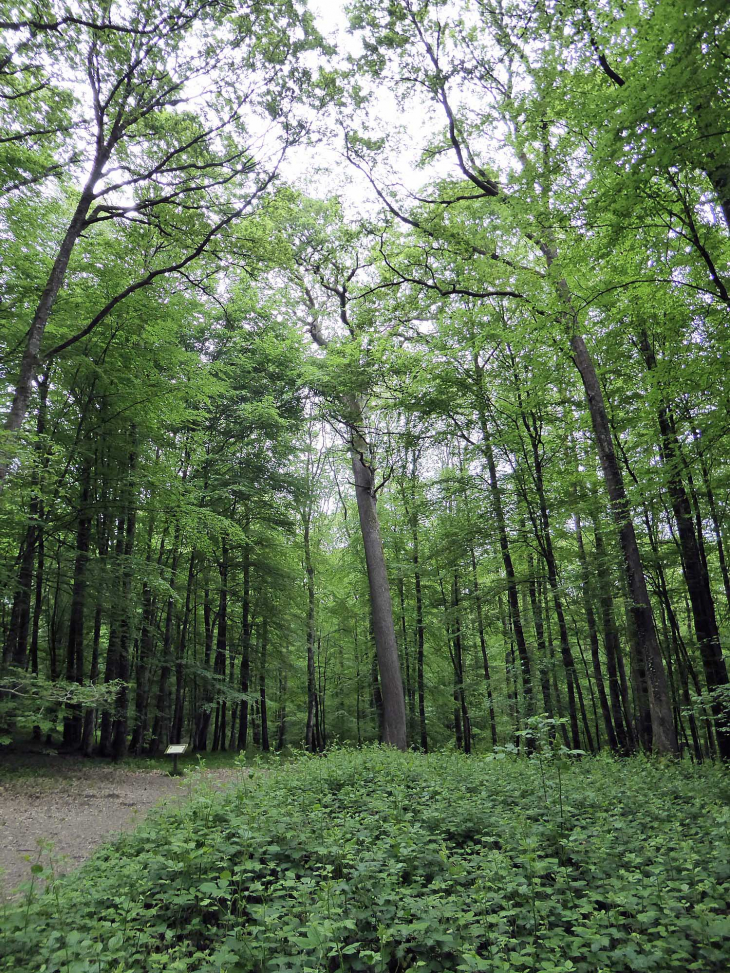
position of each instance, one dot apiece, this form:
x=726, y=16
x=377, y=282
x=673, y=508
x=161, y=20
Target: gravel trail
x=76, y=805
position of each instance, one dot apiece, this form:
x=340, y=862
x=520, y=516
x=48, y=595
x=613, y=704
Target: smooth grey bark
x=386, y=646
x=394, y=726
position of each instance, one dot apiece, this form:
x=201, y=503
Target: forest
x=364, y=390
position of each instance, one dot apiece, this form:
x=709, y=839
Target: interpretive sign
x=175, y=750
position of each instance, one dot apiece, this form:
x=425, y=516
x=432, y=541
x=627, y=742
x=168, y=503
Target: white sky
x=324, y=171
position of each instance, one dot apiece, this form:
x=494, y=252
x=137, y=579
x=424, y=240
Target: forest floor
x=61, y=808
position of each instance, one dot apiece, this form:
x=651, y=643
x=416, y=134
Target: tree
x=168, y=144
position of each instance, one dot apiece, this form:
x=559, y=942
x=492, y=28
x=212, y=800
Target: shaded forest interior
x=379, y=395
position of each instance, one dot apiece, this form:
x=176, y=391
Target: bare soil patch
x=76, y=805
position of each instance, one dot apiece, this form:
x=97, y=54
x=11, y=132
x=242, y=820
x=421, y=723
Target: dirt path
x=77, y=806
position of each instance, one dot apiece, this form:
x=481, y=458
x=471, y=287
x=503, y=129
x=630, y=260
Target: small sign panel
x=176, y=748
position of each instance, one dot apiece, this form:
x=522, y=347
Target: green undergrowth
x=374, y=860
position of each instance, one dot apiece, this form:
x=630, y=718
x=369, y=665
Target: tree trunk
x=621, y=721
x=645, y=642
x=281, y=732
x=544, y=539
x=245, y=646
x=504, y=547
x=119, y=745
x=593, y=636
x=539, y=623
x=221, y=649
x=310, y=740
x=73, y=723
x=111, y=671
x=161, y=729
x=177, y=719
x=262, y=686
x=483, y=648
x=693, y=568
x=709, y=493
x=458, y=660
x=386, y=646
x=420, y=681
x=31, y=353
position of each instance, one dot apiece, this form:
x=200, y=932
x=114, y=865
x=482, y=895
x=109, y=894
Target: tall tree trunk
x=709, y=493
x=543, y=663
x=145, y=654
x=262, y=686
x=245, y=646
x=409, y=687
x=221, y=649
x=177, y=719
x=111, y=671
x=593, y=635
x=483, y=648
x=621, y=721
x=73, y=723
x=119, y=744
x=645, y=646
x=102, y=547
x=281, y=731
x=543, y=537
x=412, y=514
x=310, y=740
x=161, y=728
x=504, y=547
x=17, y=651
x=544, y=608
x=386, y=646
x=509, y=669
x=376, y=695
x=458, y=660
x=693, y=568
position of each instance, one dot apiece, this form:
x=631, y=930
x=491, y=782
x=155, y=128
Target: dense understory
x=374, y=860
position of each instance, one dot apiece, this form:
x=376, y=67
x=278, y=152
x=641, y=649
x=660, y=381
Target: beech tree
x=161, y=138
x=426, y=448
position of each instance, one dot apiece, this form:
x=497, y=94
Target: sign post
x=175, y=750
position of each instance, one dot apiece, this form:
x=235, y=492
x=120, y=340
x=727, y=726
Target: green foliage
x=31, y=702
x=373, y=860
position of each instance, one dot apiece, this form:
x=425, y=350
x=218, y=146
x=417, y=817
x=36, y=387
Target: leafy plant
x=373, y=860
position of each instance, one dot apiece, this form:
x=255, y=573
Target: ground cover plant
x=375, y=860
